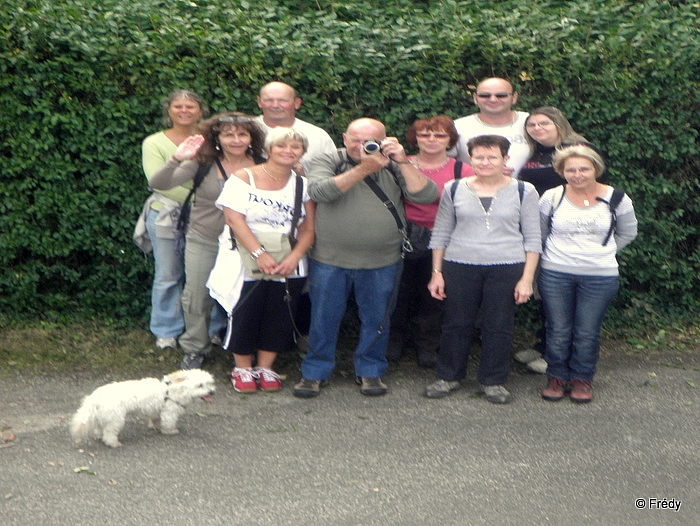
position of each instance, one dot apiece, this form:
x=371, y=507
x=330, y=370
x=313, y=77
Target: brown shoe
x=581, y=391
x=371, y=386
x=554, y=390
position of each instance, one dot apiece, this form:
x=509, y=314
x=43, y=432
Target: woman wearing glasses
x=228, y=143
x=547, y=131
x=418, y=316
x=486, y=245
x=584, y=225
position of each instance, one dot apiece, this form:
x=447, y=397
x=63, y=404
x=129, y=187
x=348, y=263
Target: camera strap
x=406, y=245
x=345, y=161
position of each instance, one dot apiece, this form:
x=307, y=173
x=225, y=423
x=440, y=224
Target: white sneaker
x=538, y=365
x=166, y=343
x=496, y=394
x=527, y=355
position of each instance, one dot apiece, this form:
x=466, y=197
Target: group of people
x=494, y=209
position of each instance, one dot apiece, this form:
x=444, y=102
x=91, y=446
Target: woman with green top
x=182, y=111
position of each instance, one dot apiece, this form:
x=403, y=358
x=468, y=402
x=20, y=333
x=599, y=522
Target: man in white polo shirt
x=279, y=102
x=495, y=98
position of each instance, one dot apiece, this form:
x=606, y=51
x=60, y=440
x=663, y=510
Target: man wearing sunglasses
x=495, y=98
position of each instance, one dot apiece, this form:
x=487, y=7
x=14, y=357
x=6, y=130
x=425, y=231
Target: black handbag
x=419, y=237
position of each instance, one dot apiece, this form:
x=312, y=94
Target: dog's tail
x=82, y=423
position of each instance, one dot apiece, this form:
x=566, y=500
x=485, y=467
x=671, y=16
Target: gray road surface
x=345, y=459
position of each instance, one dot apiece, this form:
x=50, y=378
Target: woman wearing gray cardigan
x=486, y=245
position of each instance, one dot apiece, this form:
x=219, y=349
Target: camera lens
x=371, y=146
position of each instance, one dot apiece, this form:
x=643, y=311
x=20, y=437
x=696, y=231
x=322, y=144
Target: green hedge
x=81, y=83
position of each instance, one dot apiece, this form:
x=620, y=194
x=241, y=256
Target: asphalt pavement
x=345, y=459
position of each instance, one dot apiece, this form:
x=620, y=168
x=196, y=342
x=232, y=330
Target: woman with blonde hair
x=584, y=224
x=182, y=111
x=272, y=219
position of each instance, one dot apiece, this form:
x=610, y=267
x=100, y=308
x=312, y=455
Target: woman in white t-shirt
x=259, y=204
x=584, y=225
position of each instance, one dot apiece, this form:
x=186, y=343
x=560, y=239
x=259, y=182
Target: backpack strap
x=184, y=219
x=615, y=199
x=458, y=169
x=555, y=207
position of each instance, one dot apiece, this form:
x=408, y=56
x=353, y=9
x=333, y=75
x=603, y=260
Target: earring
x=217, y=148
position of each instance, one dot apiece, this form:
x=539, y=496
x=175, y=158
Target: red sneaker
x=268, y=380
x=243, y=380
x=554, y=390
x=581, y=391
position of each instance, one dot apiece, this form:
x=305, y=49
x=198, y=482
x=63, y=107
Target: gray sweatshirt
x=501, y=236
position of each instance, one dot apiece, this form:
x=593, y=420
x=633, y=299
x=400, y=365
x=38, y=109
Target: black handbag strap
x=298, y=195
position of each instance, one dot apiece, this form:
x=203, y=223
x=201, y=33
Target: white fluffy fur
x=103, y=413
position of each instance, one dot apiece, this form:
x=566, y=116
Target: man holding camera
x=358, y=247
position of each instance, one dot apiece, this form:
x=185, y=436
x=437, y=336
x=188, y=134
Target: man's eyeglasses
x=427, y=135
x=497, y=95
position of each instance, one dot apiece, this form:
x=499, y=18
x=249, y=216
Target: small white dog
x=103, y=413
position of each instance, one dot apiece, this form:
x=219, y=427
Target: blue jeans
x=574, y=306
x=167, y=320
x=483, y=293
x=167, y=317
x=329, y=289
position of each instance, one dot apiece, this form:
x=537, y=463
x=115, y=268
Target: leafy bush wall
x=81, y=83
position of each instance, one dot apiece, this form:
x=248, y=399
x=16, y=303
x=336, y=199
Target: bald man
x=279, y=103
x=357, y=247
x=495, y=98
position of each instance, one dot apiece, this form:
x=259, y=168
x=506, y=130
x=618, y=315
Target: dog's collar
x=168, y=399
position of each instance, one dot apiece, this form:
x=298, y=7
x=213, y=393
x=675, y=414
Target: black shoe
x=192, y=361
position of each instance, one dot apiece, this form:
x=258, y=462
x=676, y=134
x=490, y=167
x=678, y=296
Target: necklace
x=268, y=173
x=429, y=170
x=586, y=201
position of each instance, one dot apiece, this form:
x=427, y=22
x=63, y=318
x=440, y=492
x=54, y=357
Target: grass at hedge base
x=93, y=349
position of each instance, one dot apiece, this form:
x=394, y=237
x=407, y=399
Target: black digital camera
x=371, y=146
